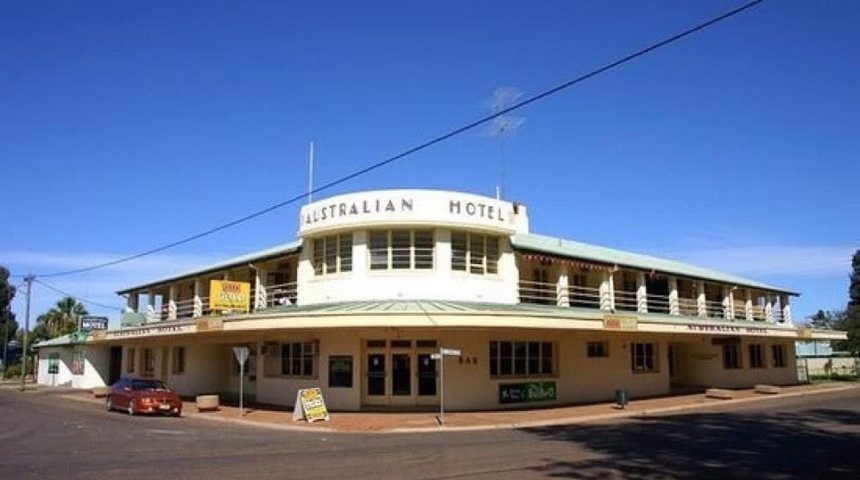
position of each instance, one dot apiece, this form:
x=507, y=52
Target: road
x=44, y=436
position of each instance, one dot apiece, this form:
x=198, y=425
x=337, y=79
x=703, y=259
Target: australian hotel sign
x=407, y=206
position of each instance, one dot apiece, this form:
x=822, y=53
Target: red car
x=140, y=395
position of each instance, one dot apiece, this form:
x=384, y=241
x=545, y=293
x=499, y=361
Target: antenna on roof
x=311, y=173
x=503, y=126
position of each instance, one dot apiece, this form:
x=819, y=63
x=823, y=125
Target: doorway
x=400, y=373
x=115, y=366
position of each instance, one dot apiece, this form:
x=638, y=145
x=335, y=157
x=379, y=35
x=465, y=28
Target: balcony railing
x=688, y=307
x=281, y=294
x=625, y=300
x=584, y=297
x=714, y=309
x=658, y=303
x=538, y=292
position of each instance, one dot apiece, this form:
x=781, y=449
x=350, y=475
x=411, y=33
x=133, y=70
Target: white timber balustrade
x=150, y=307
x=768, y=308
x=198, y=301
x=748, y=306
x=641, y=293
x=786, y=309
x=562, y=289
x=701, y=299
x=607, y=300
x=727, y=302
x=260, y=293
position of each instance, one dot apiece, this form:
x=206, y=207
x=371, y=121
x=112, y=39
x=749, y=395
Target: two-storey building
x=379, y=281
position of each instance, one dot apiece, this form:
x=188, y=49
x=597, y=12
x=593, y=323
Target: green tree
x=61, y=319
x=8, y=325
x=826, y=319
x=851, y=320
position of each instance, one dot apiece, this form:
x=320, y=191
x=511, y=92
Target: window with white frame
x=332, y=254
x=401, y=249
x=731, y=356
x=756, y=355
x=474, y=253
x=298, y=359
x=522, y=359
x=643, y=357
x=778, y=356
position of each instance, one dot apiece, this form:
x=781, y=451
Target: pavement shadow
x=812, y=444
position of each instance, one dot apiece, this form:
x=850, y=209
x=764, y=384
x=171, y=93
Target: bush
x=14, y=371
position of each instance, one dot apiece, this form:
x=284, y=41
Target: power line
x=420, y=147
x=82, y=300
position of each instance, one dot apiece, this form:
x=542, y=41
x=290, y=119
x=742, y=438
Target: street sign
x=449, y=351
x=441, y=357
x=241, y=354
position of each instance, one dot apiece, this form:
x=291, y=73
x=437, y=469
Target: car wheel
x=109, y=404
x=131, y=410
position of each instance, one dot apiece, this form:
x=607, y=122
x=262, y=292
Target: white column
x=562, y=289
x=701, y=299
x=171, y=303
x=786, y=309
x=748, y=306
x=226, y=276
x=727, y=303
x=150, y=307
x=607, y=302
x=674, y=303
x=260, y=294
x=641, y=293
x=198, y=302
x=768, y=308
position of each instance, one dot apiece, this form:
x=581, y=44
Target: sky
x=128, y=125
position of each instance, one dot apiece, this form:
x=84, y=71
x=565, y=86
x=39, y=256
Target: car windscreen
x=148, y=385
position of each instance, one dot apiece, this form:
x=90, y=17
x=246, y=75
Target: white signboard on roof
x=414, y=208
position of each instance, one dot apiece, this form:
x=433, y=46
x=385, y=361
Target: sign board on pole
x=450, y=351
x=227, y=295
x=310, y=405
x=241, y=354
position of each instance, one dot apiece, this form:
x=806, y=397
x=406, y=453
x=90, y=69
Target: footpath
x=276, y=417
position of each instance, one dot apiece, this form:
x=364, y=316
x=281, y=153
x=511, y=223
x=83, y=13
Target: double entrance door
x=400, y=373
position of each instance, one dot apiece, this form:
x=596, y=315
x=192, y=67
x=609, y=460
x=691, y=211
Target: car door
x=120, y=394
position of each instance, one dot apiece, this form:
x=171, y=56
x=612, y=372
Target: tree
x=8, y=325
x=63, y=318
x=851, y=321
x=826, y=320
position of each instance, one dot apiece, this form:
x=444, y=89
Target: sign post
x=441, y=357
x=241, y=354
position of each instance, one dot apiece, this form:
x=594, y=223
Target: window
x=401, y=249
x=148, y=361
x=521, y=359
x=297, y=359
x=597, y=349
x=178, y=362
x=53, y=364
x=778, y=355
x=731, y=356
x=78, y=363
x=756, y=356
x=474, y=253
x=129, y=364
x=643, y=357
x=340, y=371
x=333, y=254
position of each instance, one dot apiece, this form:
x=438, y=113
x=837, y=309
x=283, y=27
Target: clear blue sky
x=125, y=125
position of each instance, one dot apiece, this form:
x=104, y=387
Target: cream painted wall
x=204, y=373
x=95, y=374
x=441, y=283
x=700, y=363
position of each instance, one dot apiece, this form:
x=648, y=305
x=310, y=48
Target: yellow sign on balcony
x=227, y=295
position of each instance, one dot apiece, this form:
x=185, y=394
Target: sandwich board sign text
x=310, y=405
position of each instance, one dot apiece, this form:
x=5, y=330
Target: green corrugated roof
x=61, y=341
x=232, y=262
x=611, y=256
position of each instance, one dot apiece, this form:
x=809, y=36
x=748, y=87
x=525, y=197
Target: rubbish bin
x=621, y=398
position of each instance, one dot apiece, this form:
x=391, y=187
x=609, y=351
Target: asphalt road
x=44, y=436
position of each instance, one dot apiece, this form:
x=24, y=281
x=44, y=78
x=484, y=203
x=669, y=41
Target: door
x=375, y=379
x=426, y=375
x=672, y=359
x=115, y=368
x=401, y=375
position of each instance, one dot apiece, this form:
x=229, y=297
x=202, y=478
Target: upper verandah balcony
x=571, y=274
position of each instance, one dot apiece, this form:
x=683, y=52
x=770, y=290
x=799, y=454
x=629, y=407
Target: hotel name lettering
x=472, y=209
x=725, y=329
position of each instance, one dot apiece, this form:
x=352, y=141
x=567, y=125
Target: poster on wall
x=54, y=364
x=78, y=363
x=527, y=392
x=310, y=406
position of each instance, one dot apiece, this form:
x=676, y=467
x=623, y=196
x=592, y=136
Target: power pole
x=29, y=280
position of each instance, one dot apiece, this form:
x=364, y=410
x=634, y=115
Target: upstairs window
x=333, y=254
x=401, y=249
x=474, y=253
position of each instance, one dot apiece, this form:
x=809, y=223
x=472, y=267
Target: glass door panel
x=426, y=375
x=401, y=374
x=376, y=374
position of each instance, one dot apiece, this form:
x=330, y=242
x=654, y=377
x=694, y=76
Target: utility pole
x=6, y=336
x=29, y=280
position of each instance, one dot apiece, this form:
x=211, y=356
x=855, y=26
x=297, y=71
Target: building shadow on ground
x=812, y=444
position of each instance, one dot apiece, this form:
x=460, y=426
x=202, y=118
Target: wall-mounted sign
x=804, y=333
x=78, y=363
x=310, y=405
x=725, y=329
x=527, y=392
x=407, y=206
x=620, y=322
x=54, y=364
x=227, y=295
x=91, y=322
x=210, y=325
x=150, y=331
